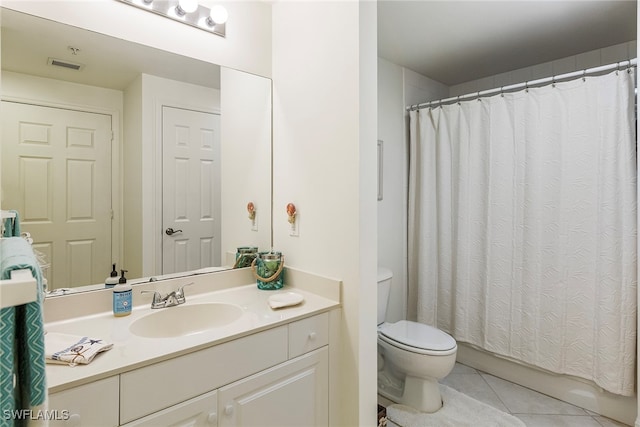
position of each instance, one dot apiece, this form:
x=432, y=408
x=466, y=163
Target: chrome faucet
x=172, y=298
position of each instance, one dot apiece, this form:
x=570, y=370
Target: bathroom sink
x=185, y=320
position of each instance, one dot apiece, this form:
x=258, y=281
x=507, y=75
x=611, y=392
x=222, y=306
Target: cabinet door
x=197, y=412
x=94, y=404
x=294, y=393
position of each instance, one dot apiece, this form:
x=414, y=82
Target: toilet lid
x=418, y=335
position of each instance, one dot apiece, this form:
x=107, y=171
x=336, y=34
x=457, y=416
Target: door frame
x=117, y=246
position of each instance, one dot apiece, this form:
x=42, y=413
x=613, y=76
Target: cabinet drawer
x=164, y=384
x=94, y=404
x=308, y=334
x=199, y=411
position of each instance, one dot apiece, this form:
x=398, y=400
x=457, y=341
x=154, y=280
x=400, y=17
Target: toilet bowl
x=412, y=357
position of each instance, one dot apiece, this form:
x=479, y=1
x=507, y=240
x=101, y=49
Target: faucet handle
x=180, y=293
x=157, y=298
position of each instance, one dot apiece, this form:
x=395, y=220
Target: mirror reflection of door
x=56, y=172
x=190, y=190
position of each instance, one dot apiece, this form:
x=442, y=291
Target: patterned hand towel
x=72, y=349
x=21, y=335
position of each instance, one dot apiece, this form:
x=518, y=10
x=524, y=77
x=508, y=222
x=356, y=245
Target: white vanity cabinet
x=276, y=377
x=273, y=377
x=159, y=386
x=94, y=404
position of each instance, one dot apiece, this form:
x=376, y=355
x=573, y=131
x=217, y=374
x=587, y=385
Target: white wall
x=132, y=173
x=246, y=159
x=324, y=129
x=392, y=209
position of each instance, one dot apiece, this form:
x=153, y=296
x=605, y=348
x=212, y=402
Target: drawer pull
x=228, y=410
x=212, y=419
x=312, y=336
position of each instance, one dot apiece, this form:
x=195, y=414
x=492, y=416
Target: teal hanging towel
x=21, y=338
x=11, y=225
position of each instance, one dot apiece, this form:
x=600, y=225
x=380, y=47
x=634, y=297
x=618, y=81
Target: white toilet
x=412, y=357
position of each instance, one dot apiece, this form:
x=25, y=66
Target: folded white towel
x=72, y=349
x=284, y=299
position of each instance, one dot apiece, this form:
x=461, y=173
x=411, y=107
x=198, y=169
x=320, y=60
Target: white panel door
x=56, y=172
x=190, y=190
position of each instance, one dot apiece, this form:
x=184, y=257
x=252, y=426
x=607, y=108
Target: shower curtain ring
x=584, y=75
x=458, y=99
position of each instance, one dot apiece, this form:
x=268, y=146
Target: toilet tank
x=384, y=286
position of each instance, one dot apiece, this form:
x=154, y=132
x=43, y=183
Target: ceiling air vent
x=64, y=64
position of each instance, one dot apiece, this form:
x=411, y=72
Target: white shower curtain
x=522, y=218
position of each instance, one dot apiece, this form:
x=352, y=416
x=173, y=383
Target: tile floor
x=533, y=408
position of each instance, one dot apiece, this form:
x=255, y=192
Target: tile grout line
x=494, y=391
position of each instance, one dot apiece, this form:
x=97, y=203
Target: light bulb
x=218, y=15
x=186, y=6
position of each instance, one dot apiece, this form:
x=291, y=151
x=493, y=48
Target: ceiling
x=458, y=41
x=450, y=41
x=28, y=42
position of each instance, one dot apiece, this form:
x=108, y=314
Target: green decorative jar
x=245, y=256
x=268, y=269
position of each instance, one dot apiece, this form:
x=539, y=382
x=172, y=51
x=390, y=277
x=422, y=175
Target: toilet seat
x=417, y=338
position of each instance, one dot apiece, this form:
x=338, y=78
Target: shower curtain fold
x=523, y=229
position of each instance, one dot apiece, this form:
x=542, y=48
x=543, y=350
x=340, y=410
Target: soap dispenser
x=122, y=297
x=112, y=280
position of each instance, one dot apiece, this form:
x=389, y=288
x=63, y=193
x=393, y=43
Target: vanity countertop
x=131, y=352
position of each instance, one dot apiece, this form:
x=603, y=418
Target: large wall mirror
x=115, y=152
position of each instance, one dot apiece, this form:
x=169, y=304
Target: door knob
x=170, y=231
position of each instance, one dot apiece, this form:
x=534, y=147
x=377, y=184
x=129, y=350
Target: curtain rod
x=539, y=82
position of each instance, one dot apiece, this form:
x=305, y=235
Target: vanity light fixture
x=186, y=6
x=188, y=12
x=218, y=15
